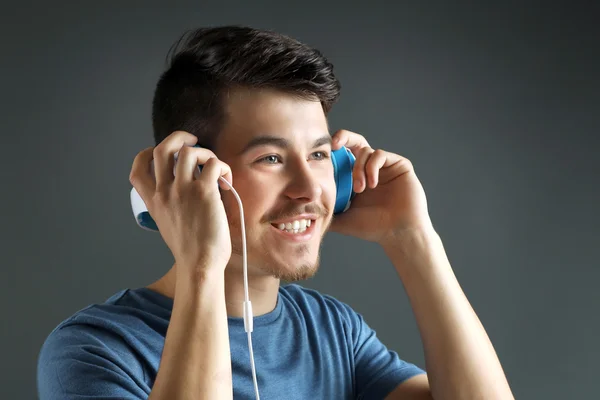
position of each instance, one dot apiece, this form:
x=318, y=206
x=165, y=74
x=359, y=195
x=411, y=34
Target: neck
x=262, y=290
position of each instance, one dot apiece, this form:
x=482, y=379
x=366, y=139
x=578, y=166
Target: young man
x=256, y=103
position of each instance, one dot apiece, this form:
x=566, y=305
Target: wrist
x=199, y=280
x=414, y=248
x=199, y=268
x=409, y=240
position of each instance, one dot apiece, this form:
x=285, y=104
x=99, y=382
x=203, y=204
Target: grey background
x=497, y=106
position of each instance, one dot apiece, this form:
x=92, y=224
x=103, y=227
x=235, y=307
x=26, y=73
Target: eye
x=321, y=155
x=270, y=159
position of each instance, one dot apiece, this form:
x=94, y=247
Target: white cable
x=248, y=318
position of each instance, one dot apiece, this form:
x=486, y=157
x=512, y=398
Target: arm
x=87, y=357
x=191, y=217
x=461, y=361
x=196, y=362
x=390, y=208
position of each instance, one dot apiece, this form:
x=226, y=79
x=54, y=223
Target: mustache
x=294, y=210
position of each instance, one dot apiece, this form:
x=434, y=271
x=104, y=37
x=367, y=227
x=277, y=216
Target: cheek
x=331, y=194
x=252, y=196
x=329, y=191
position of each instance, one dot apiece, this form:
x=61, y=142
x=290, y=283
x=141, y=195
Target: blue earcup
x=343, y=162
x=140, y=211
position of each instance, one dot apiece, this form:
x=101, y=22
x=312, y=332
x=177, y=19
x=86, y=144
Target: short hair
x=205, y=63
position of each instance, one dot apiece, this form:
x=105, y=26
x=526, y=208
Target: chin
x=289, y=258
x=292, y=268
x=299, y=272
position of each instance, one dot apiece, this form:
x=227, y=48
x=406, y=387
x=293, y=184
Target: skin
x=290, y=182
x=276, y=183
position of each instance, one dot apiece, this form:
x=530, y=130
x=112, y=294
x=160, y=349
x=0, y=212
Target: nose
x=304, y=184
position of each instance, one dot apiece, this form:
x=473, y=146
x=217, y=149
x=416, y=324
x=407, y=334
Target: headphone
x=343, y=162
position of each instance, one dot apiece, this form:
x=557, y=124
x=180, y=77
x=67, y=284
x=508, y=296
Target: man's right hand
x=191, y=218
x=188, y=211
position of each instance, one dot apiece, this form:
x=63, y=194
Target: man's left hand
x=389, y=198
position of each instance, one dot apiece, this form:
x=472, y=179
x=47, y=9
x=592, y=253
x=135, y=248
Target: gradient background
x=497, y=106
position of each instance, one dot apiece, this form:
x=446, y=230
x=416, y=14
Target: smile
x=300, y=229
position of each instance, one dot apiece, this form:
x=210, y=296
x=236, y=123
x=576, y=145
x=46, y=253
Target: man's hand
x=187, y=208
x=390, y=208
x=389, y=200
x=188, y=211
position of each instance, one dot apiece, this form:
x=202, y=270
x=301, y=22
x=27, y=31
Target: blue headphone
x=343, y=162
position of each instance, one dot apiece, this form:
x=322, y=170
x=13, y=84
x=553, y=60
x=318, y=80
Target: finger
x=358, y=172
x=351, y=140
x=374, y=164
x=214, y=169
x=164, y=156
x=187, y=163
x=141, y=176
x=399, y=165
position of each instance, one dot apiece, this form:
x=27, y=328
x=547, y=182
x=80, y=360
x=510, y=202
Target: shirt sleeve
x=378, y=370
x=79, y=362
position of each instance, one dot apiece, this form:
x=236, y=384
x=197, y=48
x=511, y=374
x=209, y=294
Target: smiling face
x=278, y=147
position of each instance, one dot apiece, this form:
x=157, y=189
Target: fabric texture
x=311, y=346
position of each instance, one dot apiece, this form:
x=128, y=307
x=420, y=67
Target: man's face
x=279, y=151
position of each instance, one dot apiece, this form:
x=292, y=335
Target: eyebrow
x=279, y=142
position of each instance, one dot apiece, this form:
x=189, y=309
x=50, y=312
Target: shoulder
x=92, y=354
x=87, y=325
x=116, y=314
x=100, y=334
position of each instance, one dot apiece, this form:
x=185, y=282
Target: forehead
x=252, y=113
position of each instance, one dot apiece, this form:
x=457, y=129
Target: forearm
x=460, y=360
x=196, y=360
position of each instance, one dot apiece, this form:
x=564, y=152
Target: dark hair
x=204, y=63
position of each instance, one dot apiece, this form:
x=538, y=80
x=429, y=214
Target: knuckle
x=181, y=137
x=156, y=151
x=176, y=196
x=139, y=156
x=186, y=150
x=210, y=162
x=197, y=152
x=363, y=151
x=162, y=197
x=225, y=166
x=207, y=152
x=136, y=158
x=178, y=133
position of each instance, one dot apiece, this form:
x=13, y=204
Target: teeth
x=297, y=226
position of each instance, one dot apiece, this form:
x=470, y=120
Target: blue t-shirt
x=311, y=346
